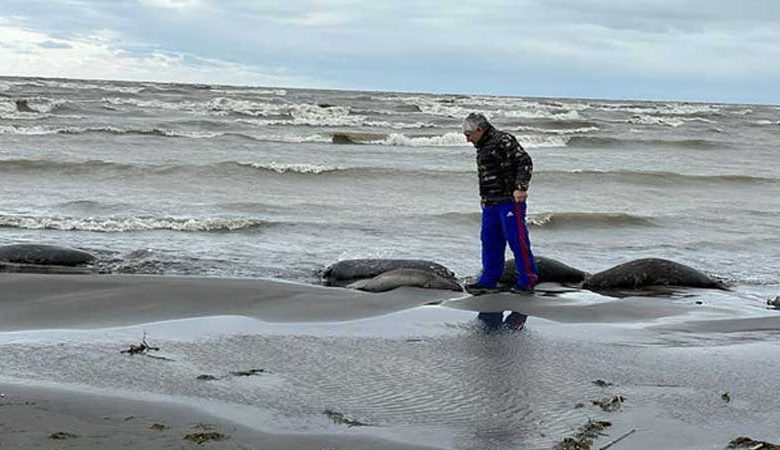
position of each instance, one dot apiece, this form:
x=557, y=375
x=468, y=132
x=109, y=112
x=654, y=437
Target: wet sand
x=421, y=376
x=34, y=417
x=32, y=301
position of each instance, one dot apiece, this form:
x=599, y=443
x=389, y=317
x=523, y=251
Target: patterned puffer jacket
x=503, y=166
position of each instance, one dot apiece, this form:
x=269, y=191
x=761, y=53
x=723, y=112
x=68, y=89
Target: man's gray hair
x=473, y=121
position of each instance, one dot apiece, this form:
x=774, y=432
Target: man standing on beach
x=504, y=170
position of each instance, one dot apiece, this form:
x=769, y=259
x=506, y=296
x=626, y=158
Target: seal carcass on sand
x=406, y=277
x=550, y=271
x=348, y=271
x=49, y=255
x=650, y=272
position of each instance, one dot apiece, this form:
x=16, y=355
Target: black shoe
x=479, y=289
x=518, y=290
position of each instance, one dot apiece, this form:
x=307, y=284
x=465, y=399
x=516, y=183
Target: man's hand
x=520, y=196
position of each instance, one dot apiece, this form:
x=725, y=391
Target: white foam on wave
x=44, y=130
x=440, y=109
x=40, y=105
x=664, y=121
x=495, y=107
x=670, y=109
x=291, y=167
x=343, y=121
x=217, y=106
x=27, y=131
x=447, y=140
x=301, y=114
x=457, y=140
x=248, y=91
x=533, y=141
x=653, y=120
x=126, y=224
x=544, y=114
x=563, y=131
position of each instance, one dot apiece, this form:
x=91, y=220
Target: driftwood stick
x=618, y=440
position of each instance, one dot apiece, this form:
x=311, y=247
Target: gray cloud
x=492, y=45
x=54, y=45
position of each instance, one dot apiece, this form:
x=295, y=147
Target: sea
x=269, y=182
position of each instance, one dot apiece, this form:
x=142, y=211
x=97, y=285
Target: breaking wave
x=558, y=220
x=291, y=168
x=559, y=131
x=673, y=121
x=452, y=110
x=129, y=224
x=453, y=139
x=29, y=108
x=161, y=132
x=668, y=109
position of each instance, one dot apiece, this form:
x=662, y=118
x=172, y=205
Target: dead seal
x=47, y=255
x=650, y=272
x=406, y=277
x=550, y=271
x=348, y=271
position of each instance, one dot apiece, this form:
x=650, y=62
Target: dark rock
x=23, y=106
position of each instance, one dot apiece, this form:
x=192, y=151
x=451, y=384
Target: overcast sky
x=708, y=50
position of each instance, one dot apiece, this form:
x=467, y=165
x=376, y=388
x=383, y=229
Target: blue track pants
x=503, y=224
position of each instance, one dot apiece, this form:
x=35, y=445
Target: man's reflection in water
x=494, y=321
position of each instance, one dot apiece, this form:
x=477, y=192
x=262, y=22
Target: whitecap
x=291, y=167
x=127, y=224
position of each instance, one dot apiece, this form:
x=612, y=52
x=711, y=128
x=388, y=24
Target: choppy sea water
x=269, y=182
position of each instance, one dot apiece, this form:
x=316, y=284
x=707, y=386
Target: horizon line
x=371, y=90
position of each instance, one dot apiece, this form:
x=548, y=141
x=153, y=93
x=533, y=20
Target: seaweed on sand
x=748, y=443
x=341, y=419
x=143, y=349
x=610, y=404
x=583, y=439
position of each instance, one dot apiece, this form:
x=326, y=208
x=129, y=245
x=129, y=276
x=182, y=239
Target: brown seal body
x=650, y=272
x=48, y=255
x=349, y=271
x=406, y=277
